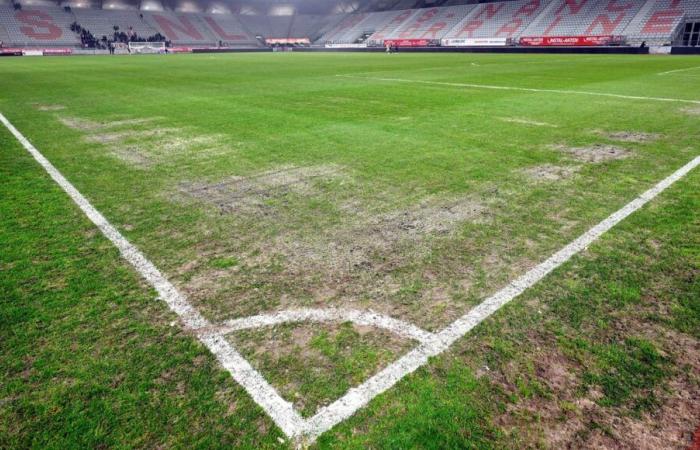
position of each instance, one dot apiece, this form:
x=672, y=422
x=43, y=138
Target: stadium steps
x=486, y=20
x=636, y=31
x=56, y=34
x=423, y=24
x=101, y=23
x=565, y=20
x=4, y=35
x=395, y=20
x=547, y=12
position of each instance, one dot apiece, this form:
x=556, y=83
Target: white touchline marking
x=281, y=411
x=432, y=344
x=367, y=318
x=524, y=89
x=678, y=70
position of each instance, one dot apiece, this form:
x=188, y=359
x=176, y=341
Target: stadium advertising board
x=566, y=41
x=411, y=42
x=329, y=45
x=272, y=41
x=57, y=51
x=10, y=52
x=485, y=42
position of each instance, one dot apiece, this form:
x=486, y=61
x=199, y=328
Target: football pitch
x=347, y=250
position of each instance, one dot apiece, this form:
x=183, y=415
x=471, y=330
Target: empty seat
x=38, y=26
x=431, y=23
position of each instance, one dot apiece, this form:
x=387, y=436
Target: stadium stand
x=370, y=25
x=294, y=26
x=655, y=22
x=270, y=26
x=38, y=26
x=229, y=30
x=182, y=28
x=430, y=23
x=348, y=28
x=658, y=20
x=498, y=20
x=309, y=26
x=394, y=20
x=101, y=23
x=585, y=18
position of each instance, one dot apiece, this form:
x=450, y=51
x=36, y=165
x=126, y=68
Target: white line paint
x=524, y=89
x=366, y=318
x=281, y=411
x=359, y=396
x=678, y=70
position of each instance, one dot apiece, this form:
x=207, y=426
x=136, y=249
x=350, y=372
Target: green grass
x=263, y=182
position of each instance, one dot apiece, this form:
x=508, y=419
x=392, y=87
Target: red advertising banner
x=271, y=41
x=11, y=51
x=566, y=41
x=180, y=50
x=57, y=51
x=409, y=42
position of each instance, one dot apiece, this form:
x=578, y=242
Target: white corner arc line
x=678, y=70
x=366, y=318
x=281, y=411
x=524, y=89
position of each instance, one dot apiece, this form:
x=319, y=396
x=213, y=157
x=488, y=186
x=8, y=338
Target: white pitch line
x=359, y=396
x=366, y=318
x=281, y=411
x=678, y=70
x=524, y=89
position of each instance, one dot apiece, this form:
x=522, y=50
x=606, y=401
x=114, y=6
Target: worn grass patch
x=638, y=137
x=143, y=143
x=313, y=364
x=42, y=107
x=257, y=194
x=595, y=153
x=550, y=172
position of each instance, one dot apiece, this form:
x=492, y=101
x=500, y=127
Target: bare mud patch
x=522, y=121
x=49, y=108
x=549, y=172
x=109, y=137
x=569, y=417
x=88, y=125
x=373, y=241
x=251, y=194
x=637, y=137
x=80, y=124
x=351, y=254
x=595, y=153
x=692, y=110
x=313, y=364
x=144, y=147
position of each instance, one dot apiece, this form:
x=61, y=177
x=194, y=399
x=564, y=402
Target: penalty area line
x=678, y=70
x=524, y=89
